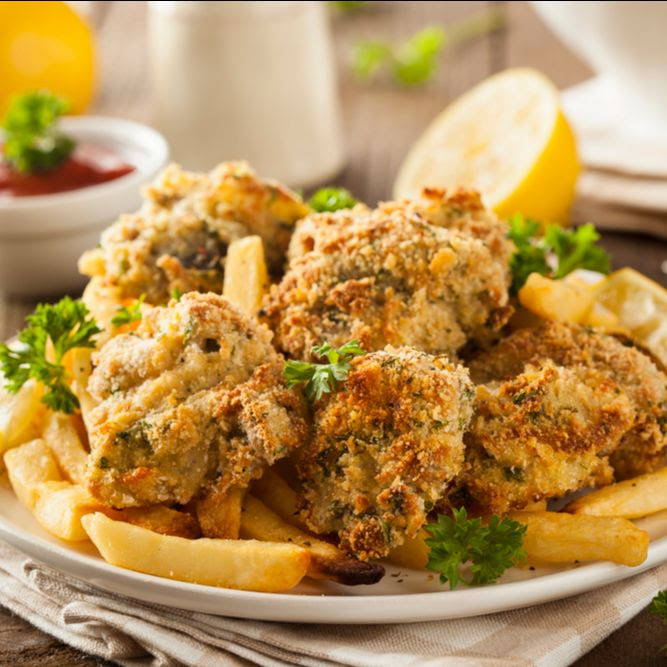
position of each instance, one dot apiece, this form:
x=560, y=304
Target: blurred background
x=152, y=64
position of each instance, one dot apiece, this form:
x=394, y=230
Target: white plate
x=403, y=596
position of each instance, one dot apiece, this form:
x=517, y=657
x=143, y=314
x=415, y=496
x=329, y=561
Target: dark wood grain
x=380, y=123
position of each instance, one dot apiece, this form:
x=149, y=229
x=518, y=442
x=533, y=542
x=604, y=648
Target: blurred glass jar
x=247, y=80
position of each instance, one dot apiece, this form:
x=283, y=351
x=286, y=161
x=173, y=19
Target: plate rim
x=426, y=606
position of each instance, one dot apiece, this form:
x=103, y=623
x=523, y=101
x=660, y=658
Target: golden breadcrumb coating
x=543, y=433
x=194, y=394
x=430, y=274
x=644, y=447
x=384, y=448
x=178, y=239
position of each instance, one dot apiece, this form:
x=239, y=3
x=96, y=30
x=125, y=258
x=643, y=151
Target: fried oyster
x=643, y=448
x=178, y=239
x=193, y=397
x=430, y=273
x=385, y=448
x=542, y=433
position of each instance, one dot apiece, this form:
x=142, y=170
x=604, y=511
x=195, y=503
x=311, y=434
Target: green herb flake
x=331, y=199
x=128, y=314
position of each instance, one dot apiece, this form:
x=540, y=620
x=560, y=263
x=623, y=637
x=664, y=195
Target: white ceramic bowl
x=42, y=236
x=625, y=42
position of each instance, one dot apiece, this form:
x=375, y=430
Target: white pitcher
x=247, y=80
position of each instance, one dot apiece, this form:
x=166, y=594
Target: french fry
x=219, y=512
x=61, y=436
x=567, y=300
x=246, y=277
x=159, y=519
x=278, y=496
x=554, y=537
x=28, y=465
x=632, y=498
x=59, y=508
x=242, y=564
x=21, y=414
x=327, y=561
x=82, y=367
x=412, y=553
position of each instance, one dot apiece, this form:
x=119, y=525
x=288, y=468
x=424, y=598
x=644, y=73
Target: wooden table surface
x=380, y=124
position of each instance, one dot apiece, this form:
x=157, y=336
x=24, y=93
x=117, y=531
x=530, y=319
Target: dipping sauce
x=89, y=164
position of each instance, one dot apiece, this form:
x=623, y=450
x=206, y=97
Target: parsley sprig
x=320, y=379
x=331, y=199
x=555, y=253
x=32, y=139
x=128, y=314
x=490, y=549
x=67, y=325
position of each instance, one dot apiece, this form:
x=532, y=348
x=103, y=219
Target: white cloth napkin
x=134, y=633
x=624, y=183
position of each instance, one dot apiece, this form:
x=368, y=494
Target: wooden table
x=380, y=124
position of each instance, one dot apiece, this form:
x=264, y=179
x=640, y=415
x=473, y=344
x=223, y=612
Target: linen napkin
x=134, y=633
x=624, y=182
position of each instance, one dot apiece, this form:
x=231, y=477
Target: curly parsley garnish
x=320, y=379
x=67, y=325
x=491, y=549
x=556, y=253
x=128, y=314
x=32, y=139
x=331, y=199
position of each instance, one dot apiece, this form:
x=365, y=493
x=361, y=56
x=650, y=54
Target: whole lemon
x=45, y=45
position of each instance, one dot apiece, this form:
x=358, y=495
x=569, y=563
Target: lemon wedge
x=629, y=301
x=509, y=139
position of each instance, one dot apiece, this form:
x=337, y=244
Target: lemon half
x=507, y=138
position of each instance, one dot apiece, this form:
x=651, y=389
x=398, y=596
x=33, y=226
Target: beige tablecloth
x=134, y=633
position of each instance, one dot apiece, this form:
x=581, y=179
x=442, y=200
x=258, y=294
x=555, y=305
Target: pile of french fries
x=262, y=544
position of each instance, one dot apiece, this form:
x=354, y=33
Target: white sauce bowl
x=42, y=236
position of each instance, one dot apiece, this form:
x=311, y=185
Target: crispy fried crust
x=429, y=274
x=163, y=424
x=644, y=447
x=384, y=448
x=260, y=422
x=541, y=434
x=179, y=238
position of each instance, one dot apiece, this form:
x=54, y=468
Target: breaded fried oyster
x=430, y=273
x=643, y=447
x=179, y=238
x=194, y=395
x=384, y=448
x=543, y=433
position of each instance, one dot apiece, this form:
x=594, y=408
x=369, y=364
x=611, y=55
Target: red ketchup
x=89, y=164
